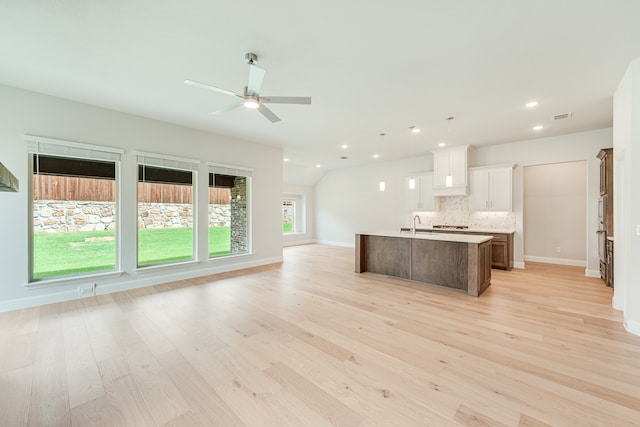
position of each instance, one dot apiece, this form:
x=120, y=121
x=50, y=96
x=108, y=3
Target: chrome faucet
x=413, y=229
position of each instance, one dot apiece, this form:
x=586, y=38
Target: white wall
x=348, y=200
x=25, y=112
x=555, y=215
x=626, y=198
x=308, y=210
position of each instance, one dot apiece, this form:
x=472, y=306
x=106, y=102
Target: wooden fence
x=46, y=187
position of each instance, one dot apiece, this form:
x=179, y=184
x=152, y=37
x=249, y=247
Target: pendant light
x=382, y=185
x=448, y=181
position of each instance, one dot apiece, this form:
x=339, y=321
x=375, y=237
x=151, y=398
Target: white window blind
x=169, y=162
x=61, y=148
x=221, y=169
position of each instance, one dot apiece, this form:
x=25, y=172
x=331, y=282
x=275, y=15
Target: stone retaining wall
x=58, y=215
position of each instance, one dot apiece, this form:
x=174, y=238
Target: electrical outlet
x=558, y=249
x=86, y=290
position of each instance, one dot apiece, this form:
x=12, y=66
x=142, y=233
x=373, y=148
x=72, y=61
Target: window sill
x=166, y=266
x=297, y=233
x=72, y=280
x=231, y=256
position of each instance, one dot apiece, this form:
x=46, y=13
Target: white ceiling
x=371, y=66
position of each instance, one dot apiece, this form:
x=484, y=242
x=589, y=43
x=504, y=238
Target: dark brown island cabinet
x=501, y=245
x=501, y=250
x=453, y=260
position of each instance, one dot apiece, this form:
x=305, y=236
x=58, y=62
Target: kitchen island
x=457, y=261
x=501, y=244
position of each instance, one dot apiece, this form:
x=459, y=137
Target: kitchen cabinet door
x=491, y=189
x=450, y=161
x=413, y=195
x=458, y=159
x=441, y=166
x=500, y=189
x=421, y=198
x=426, y=193
x=479, y=193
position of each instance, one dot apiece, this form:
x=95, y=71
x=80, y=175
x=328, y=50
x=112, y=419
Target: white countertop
x=470, y=230
x=445, y=237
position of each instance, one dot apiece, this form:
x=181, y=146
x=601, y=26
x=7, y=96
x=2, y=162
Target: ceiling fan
x=250, y=96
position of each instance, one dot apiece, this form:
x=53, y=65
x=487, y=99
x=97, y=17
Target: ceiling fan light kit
x=250, y=96
x=251, y=103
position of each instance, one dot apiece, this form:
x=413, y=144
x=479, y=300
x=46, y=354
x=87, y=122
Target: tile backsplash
x=454, y=210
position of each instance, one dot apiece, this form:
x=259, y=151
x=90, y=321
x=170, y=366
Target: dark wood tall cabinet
x=605, y=216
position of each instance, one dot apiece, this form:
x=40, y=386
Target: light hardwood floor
x=310, y=343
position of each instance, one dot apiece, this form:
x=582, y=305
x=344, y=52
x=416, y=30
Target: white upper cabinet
x=420, y=198
x=450, y=162
x=491, y=188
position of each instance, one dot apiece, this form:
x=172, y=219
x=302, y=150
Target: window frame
x=39, y=145
x=161, y=161
x=238, y=171
x=294, y=223
x=299, y=215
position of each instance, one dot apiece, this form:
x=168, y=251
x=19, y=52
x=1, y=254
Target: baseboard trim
x=592, y=273
x=331, y=243
x=166, y=278
x=559, y=261
x=298, y=243
x=133, y=282
x=36, y=301
x=518, y=264
x=632, y=326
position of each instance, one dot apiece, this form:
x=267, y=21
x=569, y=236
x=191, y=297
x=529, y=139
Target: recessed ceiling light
x=375, y=156
x=344, y=146
x=318, y=166
x=285, y=159
x=414, y=129
x=538, y=127
x=442, y=144
x=531, y=104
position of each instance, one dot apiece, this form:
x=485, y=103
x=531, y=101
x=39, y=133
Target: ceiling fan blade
x=256, y=76
x=229, y=107
x=209, y=87
x=286, y=99
x=268, y=113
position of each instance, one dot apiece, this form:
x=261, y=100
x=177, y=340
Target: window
x=288, y=216
x=293, y=213
x=229, y=210
x=165, y=209
x=73, y=208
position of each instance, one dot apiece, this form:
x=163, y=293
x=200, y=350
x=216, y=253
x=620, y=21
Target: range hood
x=450, y=171
x=8, y=182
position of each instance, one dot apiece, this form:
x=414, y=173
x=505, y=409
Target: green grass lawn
x=219, y=241
x=163, y=245
x=58, y=254
x=287, y=228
